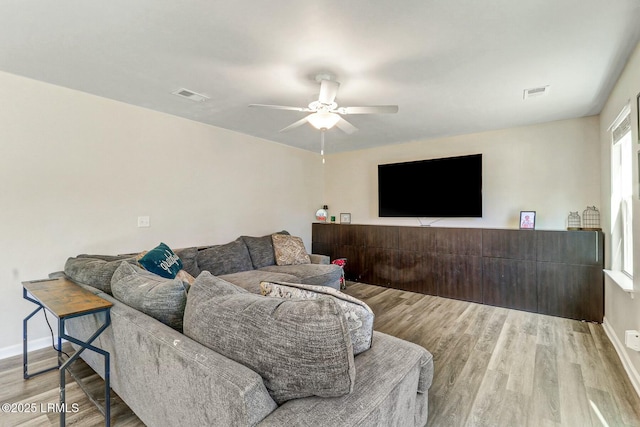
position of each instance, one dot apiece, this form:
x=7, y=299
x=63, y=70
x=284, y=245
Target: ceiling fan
x=325, y=113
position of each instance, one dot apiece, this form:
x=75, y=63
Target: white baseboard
x=632, y=373
x=14, y=350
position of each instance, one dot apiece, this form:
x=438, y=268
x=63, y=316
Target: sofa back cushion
x=300, y=348
x=161, y=298
x=96, y=272
x=261, y=249
x=232, y=257
x=189, y=258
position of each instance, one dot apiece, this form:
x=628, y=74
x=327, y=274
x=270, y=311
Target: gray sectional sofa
x=171, y=379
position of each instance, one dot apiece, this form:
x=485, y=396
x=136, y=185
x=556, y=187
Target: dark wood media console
x=549, y=272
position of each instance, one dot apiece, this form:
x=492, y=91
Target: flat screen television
x=448, y=187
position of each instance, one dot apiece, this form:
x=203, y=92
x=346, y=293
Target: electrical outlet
x=632, y=340
x=143, y=221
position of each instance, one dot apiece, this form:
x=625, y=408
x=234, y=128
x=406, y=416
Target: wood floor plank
x=521, y=374
x=455, y=404
x=488, y=404
x=604, y=410
x=574, y=404
x=545, y=404
x=491, y=333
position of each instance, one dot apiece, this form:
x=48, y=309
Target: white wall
x=551, y=168
x=621, y=311
x=77, y=170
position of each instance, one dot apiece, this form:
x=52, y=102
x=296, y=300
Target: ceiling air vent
x=536, y=91
x=189, y=94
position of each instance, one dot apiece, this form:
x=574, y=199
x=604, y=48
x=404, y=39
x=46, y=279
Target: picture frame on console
x=345, y=218
x=527, y=220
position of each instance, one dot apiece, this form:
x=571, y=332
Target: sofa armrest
x=391, y=389
x=319, y=259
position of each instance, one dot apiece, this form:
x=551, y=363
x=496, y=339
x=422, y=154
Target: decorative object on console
x=591, y=219
x=289, y=250
x=573, y=221
x=162, y=261
x=345, y=218
x=527, y=220
x=321, y=214
x=359, y=315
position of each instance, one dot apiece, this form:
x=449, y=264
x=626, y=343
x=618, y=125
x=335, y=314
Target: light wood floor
x=500, y=367
x=493, y=367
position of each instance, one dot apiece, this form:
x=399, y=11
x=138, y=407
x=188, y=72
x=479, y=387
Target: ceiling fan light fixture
x=322, y=120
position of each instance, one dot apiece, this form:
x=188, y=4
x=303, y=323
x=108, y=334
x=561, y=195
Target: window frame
x=621, y=218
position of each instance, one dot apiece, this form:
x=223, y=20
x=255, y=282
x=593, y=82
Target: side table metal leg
x=86, y=345
x=25, y=346
x=63, y=378
x=62, y=397
x=107, y=391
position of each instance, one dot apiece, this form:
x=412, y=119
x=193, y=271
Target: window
x=621, y=194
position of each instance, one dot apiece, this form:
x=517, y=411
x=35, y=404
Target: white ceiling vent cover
x=536, y=92
x=189, y=94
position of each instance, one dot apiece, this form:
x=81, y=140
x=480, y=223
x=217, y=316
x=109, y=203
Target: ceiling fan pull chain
x=322, y=144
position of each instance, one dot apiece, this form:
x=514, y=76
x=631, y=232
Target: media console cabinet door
x=460, y=277
x=571, y=291
x=509, y=283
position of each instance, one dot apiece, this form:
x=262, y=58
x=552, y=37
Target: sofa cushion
x=94, y=272
x=161, y=298
x=300, y=347
x=229, y=258
x=359, y=315
x=189, y=258
x=162, y=261
x=106, y=257
x=261, y=249
x=250, y=280
x=310, y=274
x=289, y=250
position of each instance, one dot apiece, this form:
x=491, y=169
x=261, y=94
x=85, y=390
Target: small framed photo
x=527, y=220
x=345, y=218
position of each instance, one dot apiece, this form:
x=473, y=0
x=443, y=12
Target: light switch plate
x=143, y=221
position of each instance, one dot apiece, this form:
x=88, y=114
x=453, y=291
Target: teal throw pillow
x=162, y=261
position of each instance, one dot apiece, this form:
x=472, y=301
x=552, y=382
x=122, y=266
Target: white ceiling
x=452, y=66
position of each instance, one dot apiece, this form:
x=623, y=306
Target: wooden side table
x=67, y=300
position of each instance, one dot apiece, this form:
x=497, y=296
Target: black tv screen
x=447, y=187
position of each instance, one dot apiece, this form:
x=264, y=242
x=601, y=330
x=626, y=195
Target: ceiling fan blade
x=328, y=91
x=295, y=125
x=346, y=127
x=280, y=107
x=374, y=109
